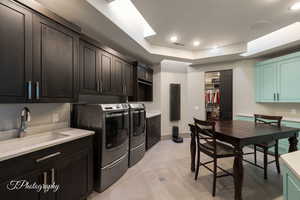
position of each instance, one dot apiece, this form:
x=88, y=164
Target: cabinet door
x=117, y=78
x=268, y=82
x=106, y=71
x=289, y=80
x=89, y=69
x=15, y=52
x=75, y=176
x=141, y=73
x=9, y=190
x=128, y=79
x=153, y=131
x=149, y=75
x=55, y=53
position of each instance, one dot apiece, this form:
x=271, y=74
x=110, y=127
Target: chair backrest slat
x=205, y=130
x=268, y=119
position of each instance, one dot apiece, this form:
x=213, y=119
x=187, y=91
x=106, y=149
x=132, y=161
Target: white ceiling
x=226, y=23
x=96, y=25
x=214, y=22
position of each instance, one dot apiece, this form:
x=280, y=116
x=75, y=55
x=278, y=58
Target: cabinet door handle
x=29, y=90
x=101, y=86
x=277, y=96
x=274, y=97
x=98, y=86
x=47, y=157
x=45, y=181
x=52, y=176
x=37, y=88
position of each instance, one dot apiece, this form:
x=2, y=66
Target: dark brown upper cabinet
x=144, y=73
x=38, y=56
x=142, y=83
x=15, y=52
x=106, y=72
x=55, y=55
x=102, y=73
x=128, y=79
x=117, y=77
x=90, y=68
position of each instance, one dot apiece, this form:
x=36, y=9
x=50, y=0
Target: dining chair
x=272, y=121
x=207, y=143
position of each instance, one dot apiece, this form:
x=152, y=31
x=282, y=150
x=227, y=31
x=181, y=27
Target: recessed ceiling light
x=174, y=39
x=296, y=6
x=196, y=43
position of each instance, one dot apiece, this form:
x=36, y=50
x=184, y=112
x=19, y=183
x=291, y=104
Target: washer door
x=117, y=129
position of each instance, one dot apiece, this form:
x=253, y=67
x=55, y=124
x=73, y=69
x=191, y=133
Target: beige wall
x=243, y=91
x=164, y=74
x=173, y=72
x=41, y=114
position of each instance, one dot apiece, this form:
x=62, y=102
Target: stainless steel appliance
x=137, y=136
x=111, y=125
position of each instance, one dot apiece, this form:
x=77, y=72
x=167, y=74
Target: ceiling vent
x=179, y=44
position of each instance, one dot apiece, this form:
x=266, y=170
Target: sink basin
x=29, y=141
x=12, y=148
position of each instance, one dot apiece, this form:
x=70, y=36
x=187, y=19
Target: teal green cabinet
x=267, y=86
x=289, y=80
x=276, y=79
x=291, y=184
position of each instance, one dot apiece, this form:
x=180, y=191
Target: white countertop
x=289, y=119
x=150, y=114
x=292, y=160
x=19, y=146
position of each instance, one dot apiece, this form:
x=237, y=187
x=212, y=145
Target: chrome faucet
x=25, y=118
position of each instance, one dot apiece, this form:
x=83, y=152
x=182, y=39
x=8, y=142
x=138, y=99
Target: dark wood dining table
x=239, y=134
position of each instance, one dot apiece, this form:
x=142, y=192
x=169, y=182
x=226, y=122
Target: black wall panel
x=175, y=111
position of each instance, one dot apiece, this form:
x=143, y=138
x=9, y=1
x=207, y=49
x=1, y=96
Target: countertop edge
x=152, y=114
x=284, y=118
x=85, y=133
x=286, y=159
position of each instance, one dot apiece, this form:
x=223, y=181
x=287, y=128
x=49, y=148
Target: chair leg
x=198, y=163
x=266, y=163
x=255, y=156
x=215, y=177
x=277, y=157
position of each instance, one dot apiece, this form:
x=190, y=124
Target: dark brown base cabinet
x=38, y=57
x=153, y=131
x=71, y=169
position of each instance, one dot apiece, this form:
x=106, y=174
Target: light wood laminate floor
x=164, y=174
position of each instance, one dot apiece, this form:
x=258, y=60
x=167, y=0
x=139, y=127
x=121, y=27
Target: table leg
x=238, y=173
x=193, y=151
x=293, y=143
